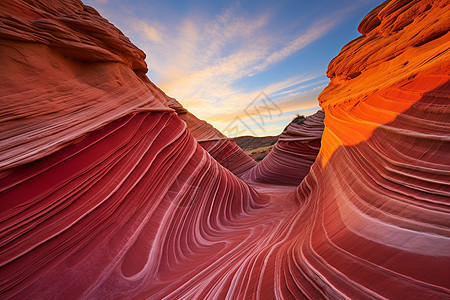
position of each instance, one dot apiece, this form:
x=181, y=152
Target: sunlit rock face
x=376, y=202
x=291, y=157
x=106, y=190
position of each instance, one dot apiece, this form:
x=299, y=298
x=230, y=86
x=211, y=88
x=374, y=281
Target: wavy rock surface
x=292, y=156
x=120, y=211
x=111, y=196
x=378, y=211
x=376, y=200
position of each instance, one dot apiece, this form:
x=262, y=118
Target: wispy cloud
x=292, y=102
x=256, y=117
x=150, y=32
x=316, y=31
x=202, y=61
x=209, y=58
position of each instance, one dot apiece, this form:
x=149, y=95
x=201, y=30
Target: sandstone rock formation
x=106, y=193
x=65, y=71
x=292, y=156
x=376, y=200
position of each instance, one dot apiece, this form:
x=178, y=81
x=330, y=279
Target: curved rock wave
x=125, y=203
x=376, y=199
x=379, y=221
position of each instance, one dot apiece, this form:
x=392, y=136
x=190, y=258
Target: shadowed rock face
x=65, y=71
x=106, y=190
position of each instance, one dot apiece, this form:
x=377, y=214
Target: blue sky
x=247, y=67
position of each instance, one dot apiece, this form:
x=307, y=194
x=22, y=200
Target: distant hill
x=256, y=147
x=248, y=142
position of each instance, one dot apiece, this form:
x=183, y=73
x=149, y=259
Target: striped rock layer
x=291, y=157
x=107, y=191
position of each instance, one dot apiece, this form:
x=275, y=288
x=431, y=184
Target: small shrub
x=299, y=119
x=260, y=157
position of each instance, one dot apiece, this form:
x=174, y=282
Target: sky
x=246, y=67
